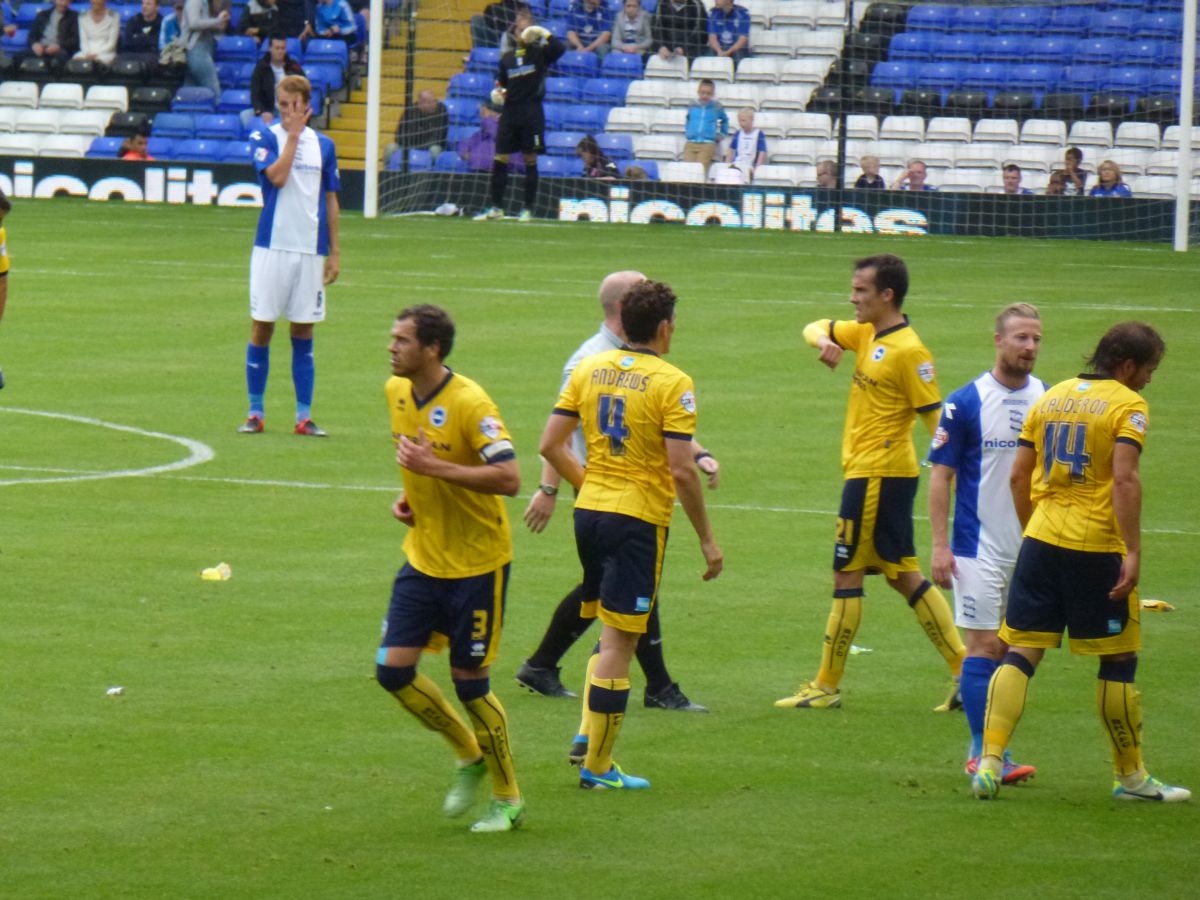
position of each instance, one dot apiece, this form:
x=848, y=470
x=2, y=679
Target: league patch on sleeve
x=491, y=427
x=925, y=372
x=941, y=438
x=688, y=401
x=1138, y=421
x=260, y=154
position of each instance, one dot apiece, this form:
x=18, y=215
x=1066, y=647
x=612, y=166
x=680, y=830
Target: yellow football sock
x=491, y=730
x=933, y=612
x=1005, y=703
x=425, y=700
x=585, y=724
x=608, y=698
x=844, y=618
x=1120, y=706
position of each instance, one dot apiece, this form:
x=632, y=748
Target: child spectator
x=636, y=173
x=135, y=147
x=595, y=163
x=589, y=27
x=1111, y=185
x=1076, y=177
x=827, y=174
x=1057, y=186
x=680, y=28
x=748, y=149
x=631, y=29
x=870, y=178
x=707, y=123
x=729, y=31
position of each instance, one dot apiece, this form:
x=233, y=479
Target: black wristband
x=701, y=455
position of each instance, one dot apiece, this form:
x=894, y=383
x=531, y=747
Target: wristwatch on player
x=548, y=489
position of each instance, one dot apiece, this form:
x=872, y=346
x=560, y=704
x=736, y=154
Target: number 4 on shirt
x=612, y=423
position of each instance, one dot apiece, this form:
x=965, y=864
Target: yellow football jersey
x=893, y=381
x=627, y=402
x=3, y=250
x=457, y=532
x=1073, y=429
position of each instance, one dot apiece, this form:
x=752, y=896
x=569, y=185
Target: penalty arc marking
x=198, y=453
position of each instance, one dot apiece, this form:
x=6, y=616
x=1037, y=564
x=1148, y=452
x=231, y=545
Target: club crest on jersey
x=878, y=354
x=627, y=362
x=1083, y=386
x=925, y=372
x=491, y=426
x=1138, y=421
x=941, y=438
x=688, y=401
x=437, y=417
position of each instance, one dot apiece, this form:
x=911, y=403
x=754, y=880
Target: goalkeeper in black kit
x=521, y=84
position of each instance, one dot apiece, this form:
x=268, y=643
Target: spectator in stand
x=99, y=31
x=870, y=178
x=631, y=30
x=595, y=163
x=295, y=18
x=199, y=29
x=479, y=150
x=748, y=149
x=827, y=174
x=142, y=33
x=1076, y=177
x=54, y=35
x=171, y=50
x=1057, y=186
x=522, y=20
x=334, y=21
x=589, y=27
x=1110, y=183
x=913, y=178
x=270, y=69
x=422, y=127
x=1012, y=180
x=259, y=19
x=706, y=124
x=135, y=147
x=728, y=31
x=680, y=28
x=497, y=18
x=636, y=173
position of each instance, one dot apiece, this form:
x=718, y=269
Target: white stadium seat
x=1090, y=134
x=19, y=93
x=20, y=144
x=40, y=121
x=998, y=131
x=674, y=68
x=107, y=96
x=65, y=145
x=61, y=96
x=686, y=172
x=1044, y=131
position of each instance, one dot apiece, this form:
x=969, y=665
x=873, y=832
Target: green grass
x=252, y=755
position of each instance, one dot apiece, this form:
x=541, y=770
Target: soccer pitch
x=251, y=754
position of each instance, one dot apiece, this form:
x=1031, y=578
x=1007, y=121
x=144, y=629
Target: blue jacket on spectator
x=706, y=122
x=335, y=13
x=728, y=28
x=589, y=24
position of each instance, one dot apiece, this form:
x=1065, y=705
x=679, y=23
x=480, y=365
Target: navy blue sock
x=304, y=374
x=973, y=685
x=258, y=363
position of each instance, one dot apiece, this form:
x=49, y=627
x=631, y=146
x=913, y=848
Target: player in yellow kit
x=5, y=207
x=456, y=459
x=1078, y=494
x=638, y=415
x=893, y=383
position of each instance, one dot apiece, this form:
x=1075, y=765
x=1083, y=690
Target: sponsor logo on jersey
x=1138, y=421
x=491, y=426
x=437, y=417
x=878, y=354
x=925, y=372
x=627, y=362
x=941, y=438
x=1084, y=386
x=643, y=604
x=688, y=401
x=1000, y=444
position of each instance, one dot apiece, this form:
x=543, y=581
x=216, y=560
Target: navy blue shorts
x=875, y=527
x=522, y=128
x=465, y=613
x=622, y=560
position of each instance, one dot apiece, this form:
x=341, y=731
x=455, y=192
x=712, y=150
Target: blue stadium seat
x=1095, y=51
x=1003, y=48
x=219, y=127
x=1165, y=25
x=173, y=125
x=235, y=152
x=196, y=150
x=1163, y=81
x=1034, y=77
x=559, y=9
x=586, y=117
x=227, y=72
x=1111, y=23
x=394, y=163
x=104, y=148
x=27, y=12
x=557, y=27
x=896, y=75
x=1069, y=20
x=976, y=19
x=908, y=45
x=317, y=101
x=1130, y=80
x=563, y=143
x=419, y=160
x=617, y=147
x=456, y=134
x=471, y=85
x=554, y=115
x=160, y=147
x=191, y=99
x=930, y=18
x=950, y=47
x=485, y=60
x=295, y=49
x=1141, y=52
x=578, y=63
x=334, y=77
x=649, y=166
x=127, y=11
x=1080, y=79
x=462, y=111
x=244, y=76
x=560, y=167
x=938, y=76
x=538, y=8
x=236, y=48
x=1053, y=49
x=650, y=6
x=986, y=76
x=1023, y=20
x=17, y=42
x=449, y=161
x=622, y=65
x=562, y=89
x=322, y=51
x=605, y=91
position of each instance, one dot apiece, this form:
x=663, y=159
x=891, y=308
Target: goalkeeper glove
x=534, y=33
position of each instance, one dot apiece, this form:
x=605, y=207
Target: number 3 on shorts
x=481, y=625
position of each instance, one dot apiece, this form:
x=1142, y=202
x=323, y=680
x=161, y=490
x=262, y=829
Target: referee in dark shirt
x=522, y=84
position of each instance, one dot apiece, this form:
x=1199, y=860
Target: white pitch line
x=197, y=452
